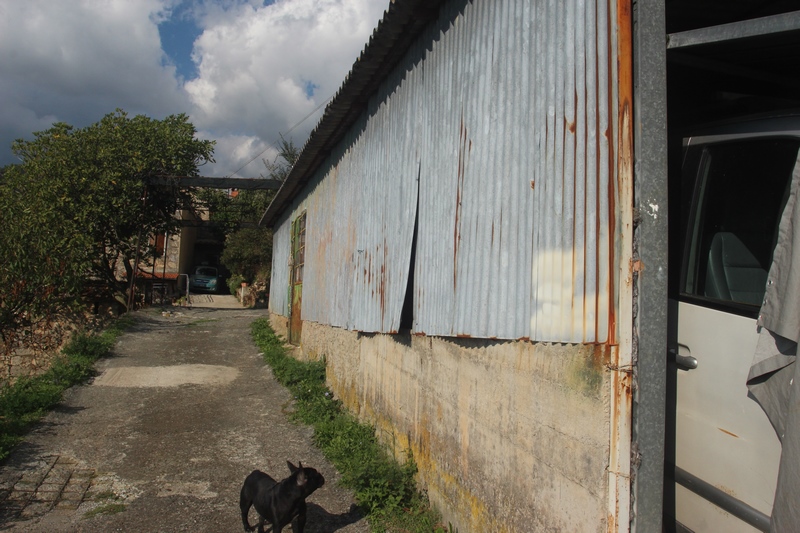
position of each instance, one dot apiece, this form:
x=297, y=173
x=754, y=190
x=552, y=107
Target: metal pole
x=650, y=238
x=164, y=269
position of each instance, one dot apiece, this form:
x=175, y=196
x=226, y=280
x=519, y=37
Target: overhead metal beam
x=222, y=183
x=745, y=29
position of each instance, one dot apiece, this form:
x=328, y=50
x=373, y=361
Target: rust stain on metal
x=383, y=284
x=533, y=184
x=463, y=142
x=637, y=265
x=728, y=433
x=612, y=522
x=621, y=159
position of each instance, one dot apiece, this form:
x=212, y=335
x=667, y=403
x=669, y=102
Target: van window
x=740, y=188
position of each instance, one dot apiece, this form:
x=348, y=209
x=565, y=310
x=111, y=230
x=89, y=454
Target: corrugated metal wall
x=361, y=221
x=279, y=282
x=503, y=119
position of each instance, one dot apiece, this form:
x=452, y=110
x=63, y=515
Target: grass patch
x=30, y=398
x=105, y=509
x=105, y=495
x=384, y=489
x=200, y=322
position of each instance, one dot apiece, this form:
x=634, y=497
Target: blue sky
x=245, y=71
x=178, y=34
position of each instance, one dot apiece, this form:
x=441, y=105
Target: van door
x=726, y=451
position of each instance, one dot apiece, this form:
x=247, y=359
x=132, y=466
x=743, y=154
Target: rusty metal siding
x=279, y=281
x=517, y=189
x=361, y=211
x=501, y=122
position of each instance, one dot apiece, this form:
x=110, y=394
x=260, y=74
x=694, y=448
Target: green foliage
x=279, y=168
x=105, y=509
x=28, y=399
x=385, y=490
x=235, y=282
x=248, y=248
x=248, y=252
x=81, y=201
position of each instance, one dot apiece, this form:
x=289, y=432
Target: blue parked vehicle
x=205, y=278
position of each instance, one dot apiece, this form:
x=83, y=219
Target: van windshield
x=740, y=191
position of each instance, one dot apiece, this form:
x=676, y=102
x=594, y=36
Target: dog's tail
x=245, y=502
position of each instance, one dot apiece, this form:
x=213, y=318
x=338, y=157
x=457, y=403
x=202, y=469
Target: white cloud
x=239, y=152
x=75, y=61
x=261, y=69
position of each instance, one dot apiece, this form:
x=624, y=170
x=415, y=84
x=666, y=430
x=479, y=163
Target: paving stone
x=9, y=513
x=51, y=487
x=33, y=478
x=46, y=496
x=83, y=473
x=58, y=475
x=20, y=495
x=36, y=509
x=8, y=484
x=26, y=486
x=68, y=505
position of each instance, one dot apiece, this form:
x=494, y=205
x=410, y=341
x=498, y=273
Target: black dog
x=278, y=503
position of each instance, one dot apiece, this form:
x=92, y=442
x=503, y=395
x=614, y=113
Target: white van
x=734, y=184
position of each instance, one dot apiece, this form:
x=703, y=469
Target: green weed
x=106, y=509
x=384, y=489
x=200, y=322
x=28, y=399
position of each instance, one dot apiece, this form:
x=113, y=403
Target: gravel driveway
x=163, y=437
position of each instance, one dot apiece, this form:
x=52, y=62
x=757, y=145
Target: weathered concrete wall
x=508, y=436
x=279, y=324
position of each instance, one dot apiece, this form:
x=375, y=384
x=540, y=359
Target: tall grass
x=29, y=398
x=384, y=489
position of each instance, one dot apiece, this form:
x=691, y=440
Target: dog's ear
x=301, y=477
x=292, y=468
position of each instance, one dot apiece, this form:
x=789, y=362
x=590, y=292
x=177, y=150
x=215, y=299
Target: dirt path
x=178, y=416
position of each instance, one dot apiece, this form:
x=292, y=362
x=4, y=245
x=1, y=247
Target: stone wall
x=33, y=348
x=508, y=435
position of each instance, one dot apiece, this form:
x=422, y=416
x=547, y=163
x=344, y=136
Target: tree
x=248, y=250
x=83, y=202
x=280, y=167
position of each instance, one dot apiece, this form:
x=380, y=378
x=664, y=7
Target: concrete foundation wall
x=508, y=435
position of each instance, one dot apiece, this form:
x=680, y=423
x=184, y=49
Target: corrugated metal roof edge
x=402, y=22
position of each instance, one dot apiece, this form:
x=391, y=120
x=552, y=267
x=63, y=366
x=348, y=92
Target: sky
x=245, y=71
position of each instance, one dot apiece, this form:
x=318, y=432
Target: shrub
x=234, y=282
x=385, y=489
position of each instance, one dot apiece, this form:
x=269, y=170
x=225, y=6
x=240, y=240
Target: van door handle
x=685, y=362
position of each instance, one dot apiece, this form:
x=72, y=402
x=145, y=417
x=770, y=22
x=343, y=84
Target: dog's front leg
x=301, y=516
x=261, y=522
